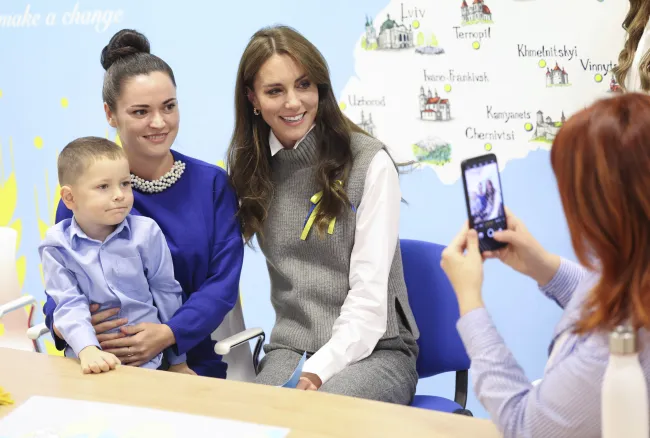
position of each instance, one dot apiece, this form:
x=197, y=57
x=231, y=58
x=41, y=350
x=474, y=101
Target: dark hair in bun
x=128, y=54
x=124, y=43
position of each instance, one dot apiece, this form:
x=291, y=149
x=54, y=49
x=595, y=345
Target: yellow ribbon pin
x=311, y=216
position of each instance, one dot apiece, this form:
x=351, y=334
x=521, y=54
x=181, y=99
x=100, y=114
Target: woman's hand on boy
x=141, y=342
x=101, y=324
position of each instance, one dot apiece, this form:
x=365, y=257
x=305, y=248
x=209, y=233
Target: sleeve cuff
x=173, y=358
x=173, y=349
x=564, y=282
x=59, y=343
x=322, y=365
x=83, y=340
x=477, y=331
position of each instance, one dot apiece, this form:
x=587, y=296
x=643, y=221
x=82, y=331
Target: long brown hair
x=634, y=25
x=601, y=161
x=249, y=154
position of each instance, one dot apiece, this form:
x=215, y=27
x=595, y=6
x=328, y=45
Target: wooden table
x=307, y=414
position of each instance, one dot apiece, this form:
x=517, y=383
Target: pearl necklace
x=160, y=184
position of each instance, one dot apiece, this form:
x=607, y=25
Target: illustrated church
x=477, y=11
x=391, y=35
x=432, y=107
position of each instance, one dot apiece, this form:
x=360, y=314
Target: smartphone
x=484, y=199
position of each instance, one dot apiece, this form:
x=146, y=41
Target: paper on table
x=295, y=377
x=49, y=417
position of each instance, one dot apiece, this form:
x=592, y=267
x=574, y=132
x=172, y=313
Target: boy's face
x=102, y=195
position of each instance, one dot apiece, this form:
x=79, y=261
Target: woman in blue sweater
x=191, y=201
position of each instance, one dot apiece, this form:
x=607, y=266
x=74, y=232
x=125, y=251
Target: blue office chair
x=435, y=307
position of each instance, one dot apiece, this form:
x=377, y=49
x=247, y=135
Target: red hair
x=601, y=160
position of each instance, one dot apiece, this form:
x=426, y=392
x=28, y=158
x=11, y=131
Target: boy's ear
x=67, y=197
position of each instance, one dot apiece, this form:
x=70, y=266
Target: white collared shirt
x=633, y=79
x=364, y=313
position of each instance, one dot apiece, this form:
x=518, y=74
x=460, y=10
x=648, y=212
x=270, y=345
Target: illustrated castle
x=432, y=107
x=478, y=12
x=557, y=76
x=391, y=35
x=547, y=129
x=367, y=124
x=614, y=87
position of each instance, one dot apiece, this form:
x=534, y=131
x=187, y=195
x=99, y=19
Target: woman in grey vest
x=323, y=199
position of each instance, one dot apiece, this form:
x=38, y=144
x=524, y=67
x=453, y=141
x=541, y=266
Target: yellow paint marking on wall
x=28, y=308
x=9, y=196
x=52, y=203
x=42, y=226
x=50, y=348
x=18, y=226
x=117, y=140
x=21, y=268
x=8, y=191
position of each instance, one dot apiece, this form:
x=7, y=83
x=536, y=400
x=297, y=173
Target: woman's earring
x=256, y=111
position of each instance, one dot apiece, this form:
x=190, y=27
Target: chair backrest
x=14, y=324
x=9, y=289
x=240, y=359
x=435, y=307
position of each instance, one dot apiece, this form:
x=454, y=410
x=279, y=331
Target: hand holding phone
x=484, y=199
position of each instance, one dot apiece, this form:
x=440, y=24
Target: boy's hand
x=182, y=368
x=94, y=360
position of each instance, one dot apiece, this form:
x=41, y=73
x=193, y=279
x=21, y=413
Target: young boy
x=104, y=255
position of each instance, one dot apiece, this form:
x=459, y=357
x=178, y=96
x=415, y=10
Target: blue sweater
x=197, y=217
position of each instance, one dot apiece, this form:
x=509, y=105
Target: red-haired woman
x=601, y=161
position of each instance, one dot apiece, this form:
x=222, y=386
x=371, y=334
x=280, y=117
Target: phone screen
x=484, y=198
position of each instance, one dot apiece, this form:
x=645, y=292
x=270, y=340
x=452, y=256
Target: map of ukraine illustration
x=440, y=84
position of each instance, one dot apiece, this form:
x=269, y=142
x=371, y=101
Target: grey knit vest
x=310, y=278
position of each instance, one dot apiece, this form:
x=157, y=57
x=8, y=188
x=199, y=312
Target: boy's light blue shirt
x=132, y=269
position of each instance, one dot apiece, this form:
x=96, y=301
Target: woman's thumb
x=506, y=236
x=472, y=242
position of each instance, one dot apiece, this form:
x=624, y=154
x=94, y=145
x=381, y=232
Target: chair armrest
x=223, y=347
x=37, y=331
x=16, y=304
